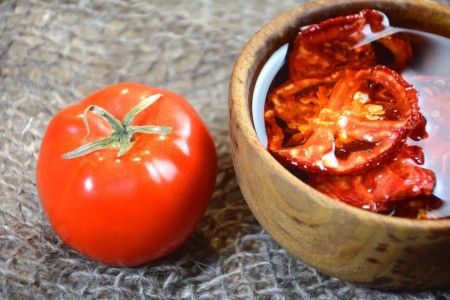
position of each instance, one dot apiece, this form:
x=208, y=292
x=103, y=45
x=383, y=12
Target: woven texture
x=53, y=54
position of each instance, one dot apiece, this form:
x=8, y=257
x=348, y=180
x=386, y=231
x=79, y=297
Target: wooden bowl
x=339, y=240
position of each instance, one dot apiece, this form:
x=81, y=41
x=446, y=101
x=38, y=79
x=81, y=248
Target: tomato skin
x=132, y=209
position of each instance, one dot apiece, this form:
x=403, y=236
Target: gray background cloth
x=53, y=54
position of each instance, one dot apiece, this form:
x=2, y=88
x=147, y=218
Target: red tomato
x=130, y=206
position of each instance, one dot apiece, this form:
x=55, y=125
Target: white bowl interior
x=263, y=82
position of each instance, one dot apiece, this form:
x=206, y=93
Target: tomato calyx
x=123, y=132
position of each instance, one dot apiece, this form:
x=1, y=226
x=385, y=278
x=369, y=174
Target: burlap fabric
x=53, y=54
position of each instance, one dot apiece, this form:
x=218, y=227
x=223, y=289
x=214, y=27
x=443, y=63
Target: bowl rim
x=244, y=71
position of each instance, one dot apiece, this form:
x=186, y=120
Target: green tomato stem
x=138, y=108
x=123, y=132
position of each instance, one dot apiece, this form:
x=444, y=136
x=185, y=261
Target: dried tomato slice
x=289, y=108
x=422, y=208
x=323, y=49
x=346, y=128
x=399, y=51
x=402, y=178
